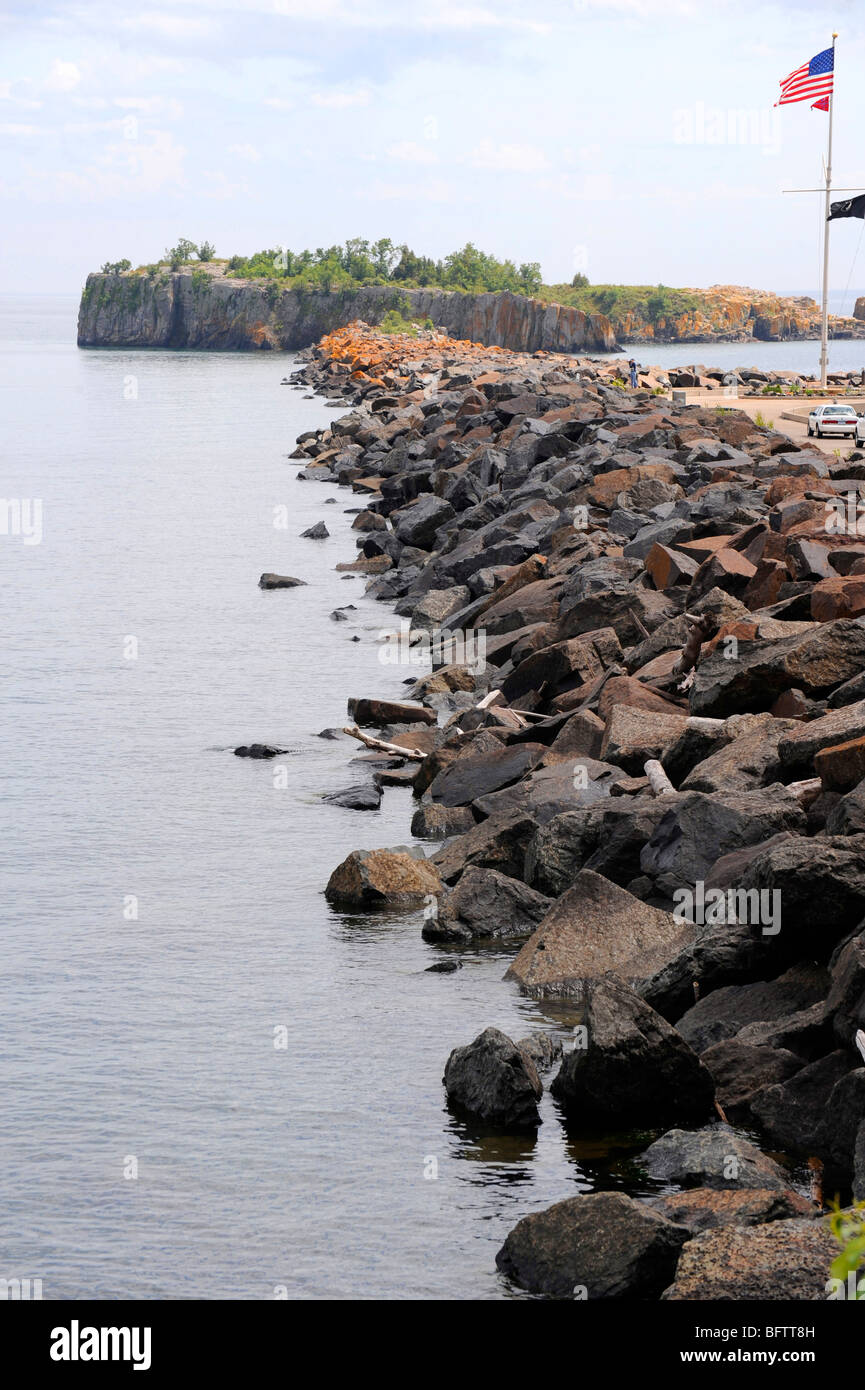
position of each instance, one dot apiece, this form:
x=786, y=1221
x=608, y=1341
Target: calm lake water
x=845, y=355
x=147, y=1042
x=152, y=1039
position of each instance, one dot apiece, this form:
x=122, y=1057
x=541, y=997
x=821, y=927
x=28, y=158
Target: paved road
x=772, y=410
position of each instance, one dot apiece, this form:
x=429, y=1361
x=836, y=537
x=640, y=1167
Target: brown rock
x=726, y=569
x=704, y=1208
x=838, y=598
x=376, y=714
x=582, y=734
x=799, y=747
x=632, y=736
x=842, y=766
x=704, y=548
x=780, y=1261
x=607, y=486
x=381, y=877
x=593, y=928
x=762, y=590
x=627, y=690
x=785, y=486
x=669, y=567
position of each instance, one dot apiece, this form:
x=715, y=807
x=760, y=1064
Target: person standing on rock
x=633, y=370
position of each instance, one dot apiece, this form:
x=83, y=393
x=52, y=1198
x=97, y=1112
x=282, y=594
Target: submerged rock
x=259, y=750
x=363, y=796
x=279, y=581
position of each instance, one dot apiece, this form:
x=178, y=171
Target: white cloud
x=165, y=107
x=63, y=76
x=133, y=167
x=7, y=93
x=412, y=153
x=339, y=100
x=219, y=186
x=13, y=129
x=170, y=26
x=280, y=103
x=433, y=191
x=247, y=152
x=514, y=159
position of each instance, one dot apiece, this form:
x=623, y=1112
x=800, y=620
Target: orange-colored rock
x=607, y=486
x=668, y=567
x=838, y=598
x=763, y=589
x=841, y=767
x=786, y=486
x=703, y=548
x=741, y=630
x=726, y=569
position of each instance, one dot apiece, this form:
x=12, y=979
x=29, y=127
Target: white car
x=833, y=419
x=860, y=429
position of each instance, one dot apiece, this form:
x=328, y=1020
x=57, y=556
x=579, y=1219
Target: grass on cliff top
x=647, y=302
x=358, y=263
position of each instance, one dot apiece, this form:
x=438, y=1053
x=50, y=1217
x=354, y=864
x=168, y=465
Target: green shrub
x=848, y=1228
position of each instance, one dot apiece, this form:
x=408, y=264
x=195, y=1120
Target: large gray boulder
x=487, y=905
x=473, y=775
x=814, y=662
x=417, y=523
x=792, y=1114
x=493, y=1081
x=634, y=1068
x=607, y=838
x=699, y=829
x=726, y=1011
x=716, y=1157
x=599, y=1246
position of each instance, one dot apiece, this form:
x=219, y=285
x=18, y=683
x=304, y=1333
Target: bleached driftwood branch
x=393, y=749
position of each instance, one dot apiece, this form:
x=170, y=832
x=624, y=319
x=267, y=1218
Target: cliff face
x=203, y=309
x=734, y=313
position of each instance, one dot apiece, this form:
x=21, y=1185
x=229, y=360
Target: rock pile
x=642, y=747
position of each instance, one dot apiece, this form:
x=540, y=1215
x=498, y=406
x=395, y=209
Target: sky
x=632, y=140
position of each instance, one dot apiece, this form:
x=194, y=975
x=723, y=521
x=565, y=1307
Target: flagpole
x=824, y=335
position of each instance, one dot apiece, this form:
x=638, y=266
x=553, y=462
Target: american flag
x=812, y=82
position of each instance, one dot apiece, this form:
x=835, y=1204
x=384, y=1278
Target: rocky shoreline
x=640, y=754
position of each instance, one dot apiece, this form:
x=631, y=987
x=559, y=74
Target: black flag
x=849, y=207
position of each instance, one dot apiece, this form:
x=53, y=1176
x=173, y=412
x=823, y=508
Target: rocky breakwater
x=640, y=760
x=204, y=308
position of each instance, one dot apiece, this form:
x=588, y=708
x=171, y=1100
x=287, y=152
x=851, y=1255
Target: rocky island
x=650, y=791
x=277, y=299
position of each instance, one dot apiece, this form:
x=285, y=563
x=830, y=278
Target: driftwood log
x=703, y=626
x=392, y=749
